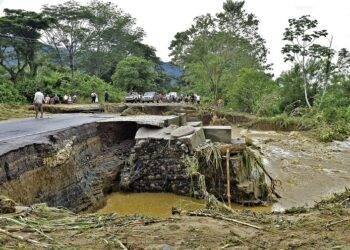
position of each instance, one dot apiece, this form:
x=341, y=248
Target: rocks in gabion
x=7, y=205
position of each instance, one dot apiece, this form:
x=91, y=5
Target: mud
x=309, y=170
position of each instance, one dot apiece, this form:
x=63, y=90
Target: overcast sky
x=161, y=19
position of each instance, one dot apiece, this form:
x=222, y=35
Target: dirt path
x=309, y=170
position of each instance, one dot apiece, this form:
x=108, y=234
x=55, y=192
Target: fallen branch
x=337, y=222
x=241, y=239
x=121, y=244
x=21, y=238
x=215, y=216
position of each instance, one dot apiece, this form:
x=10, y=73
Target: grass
x=12, y=111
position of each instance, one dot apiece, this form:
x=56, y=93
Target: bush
x=254, y=92
x=9, y=94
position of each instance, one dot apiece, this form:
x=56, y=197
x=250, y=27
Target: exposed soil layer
x=72, y=170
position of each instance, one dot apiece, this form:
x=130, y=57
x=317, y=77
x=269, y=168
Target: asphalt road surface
x=21, y=132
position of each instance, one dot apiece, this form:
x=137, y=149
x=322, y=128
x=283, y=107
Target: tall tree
x=303, y=36
x=134, y=73
x=112, y=37
x=19, y=34
x=215, y=48
x=68, y=32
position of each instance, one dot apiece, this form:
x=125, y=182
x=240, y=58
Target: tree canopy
x=214, y=49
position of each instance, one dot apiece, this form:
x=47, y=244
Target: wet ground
x=308, y=170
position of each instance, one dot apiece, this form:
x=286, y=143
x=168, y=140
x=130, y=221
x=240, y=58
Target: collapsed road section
x=76, y=167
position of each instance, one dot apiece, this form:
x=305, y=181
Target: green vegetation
x=134, y=73
x=225, y=54
x=74, y=49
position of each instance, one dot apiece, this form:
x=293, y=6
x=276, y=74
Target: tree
x=302, y=35
x=343, y=63
x=214, y=49
x=254, y=92
x=111, y=38
x=68, y=32
x=94, y=37
x=134, y=73
x=20, y=32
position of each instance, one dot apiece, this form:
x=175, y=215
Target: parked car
x=133, y=97
x=150, y=97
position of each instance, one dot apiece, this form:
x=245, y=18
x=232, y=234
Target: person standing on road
x=106, y=96
x=38, y=103
x=93, y=97
x=56, y=99
x=198, y=99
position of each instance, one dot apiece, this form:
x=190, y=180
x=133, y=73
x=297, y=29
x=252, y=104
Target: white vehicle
x=173, y=94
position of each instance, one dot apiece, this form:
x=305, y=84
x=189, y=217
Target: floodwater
x=149, y=204
x=157, y=204
x=309, y=170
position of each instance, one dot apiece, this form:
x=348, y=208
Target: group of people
x=194, y=99
x=67, y=99
x=40, y=99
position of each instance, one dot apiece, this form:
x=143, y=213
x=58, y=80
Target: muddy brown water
x=157, y=204
x=309, y=170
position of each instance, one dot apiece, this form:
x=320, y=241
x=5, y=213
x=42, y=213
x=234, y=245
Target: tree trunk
x=328, y=65
x=305, y=84
x=71, y=63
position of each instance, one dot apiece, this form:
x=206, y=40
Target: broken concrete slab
x=195, y=139
x=145, y=133
x=182, y=131
x=151, y=120
x=169, y=129
x=195, y=124
x=218, y=133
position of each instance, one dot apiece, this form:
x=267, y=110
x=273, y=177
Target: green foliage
x=302, y=47
x=254, y=92
x=93, y=37
x=215, y=48
x=281, y=122
x=9, y=94
x=134, y=73
x=53, y=82
x=19, y=42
